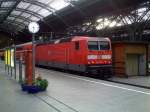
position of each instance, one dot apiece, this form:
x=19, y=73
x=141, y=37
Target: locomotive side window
x=104, y=45
x=77, y=45
x=98, y=45
x=93, y=45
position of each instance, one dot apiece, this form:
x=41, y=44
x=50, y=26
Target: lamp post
x=33, y=28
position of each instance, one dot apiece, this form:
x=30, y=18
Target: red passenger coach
x=83, y=54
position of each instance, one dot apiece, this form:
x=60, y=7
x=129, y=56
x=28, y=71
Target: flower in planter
x=39, y=77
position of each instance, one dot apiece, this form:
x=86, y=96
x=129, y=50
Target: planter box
x=24, y=87
x=30, y=89
x=42, y=89
x=33, y=89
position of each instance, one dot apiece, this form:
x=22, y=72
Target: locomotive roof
x=20, y=45
x=69, y=39
x=76, y=38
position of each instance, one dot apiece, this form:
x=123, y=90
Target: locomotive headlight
x=92, y=57
x=105, y=56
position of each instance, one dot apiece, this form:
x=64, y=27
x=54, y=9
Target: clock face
x=33, y=27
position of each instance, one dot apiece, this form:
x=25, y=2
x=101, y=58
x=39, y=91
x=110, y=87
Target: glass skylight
x=34, y=8
x=112, y=24
x=23, y=5
x=26, y=15
x=45, y=1
x=146, y=16
x=19, y=20
x=13, y=25
x=26, y=23
x=3, y=11
x=58, y=4
x=44, y=12
x=105, y=22
x=33, y=18
x=30, y=10
x=7, y=4
x=16, y=12
x=11, y=18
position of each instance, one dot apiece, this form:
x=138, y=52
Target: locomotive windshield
x=93, y=45
x=98, y=45
x=104, y=45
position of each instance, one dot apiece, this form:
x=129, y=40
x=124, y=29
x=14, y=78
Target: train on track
x=84, y=54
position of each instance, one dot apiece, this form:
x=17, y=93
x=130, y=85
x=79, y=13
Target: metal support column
x=33, y=57
x=20, y=71
x=10, y=62
x=15, y=61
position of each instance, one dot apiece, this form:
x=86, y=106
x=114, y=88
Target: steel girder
x=47, y=7
x=11, y=28
x=11, y=9
x=20, y=17
x=32, y=2
x=40, y=4
x=15, y=23
x=130, y=20
x=23, y=10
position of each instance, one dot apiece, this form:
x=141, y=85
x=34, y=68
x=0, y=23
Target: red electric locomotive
x=79, y=53
x=83, y=54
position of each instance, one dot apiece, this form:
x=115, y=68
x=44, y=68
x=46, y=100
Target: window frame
x=77, y=45
x=99, y=45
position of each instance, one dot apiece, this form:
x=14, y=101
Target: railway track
x=54, y=103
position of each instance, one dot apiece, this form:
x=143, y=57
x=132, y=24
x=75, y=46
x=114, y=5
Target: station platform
x=12, y=99
x=140, y=81
x=70, y=93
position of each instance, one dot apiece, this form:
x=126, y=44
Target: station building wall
x=130, y=59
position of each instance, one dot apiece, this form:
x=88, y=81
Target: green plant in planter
x=38, y=82
x=42, y=83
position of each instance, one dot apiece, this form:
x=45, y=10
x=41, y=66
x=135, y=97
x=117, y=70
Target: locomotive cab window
x=98, y=45
x=93, y=45
x=77, y=45
x=104, y=45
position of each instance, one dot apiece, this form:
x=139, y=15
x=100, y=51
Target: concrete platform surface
x=135, y=80
x=92, y=95
x=70, y=93
x=12, y=99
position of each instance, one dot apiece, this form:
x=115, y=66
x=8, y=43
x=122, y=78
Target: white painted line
x=105, y=84
x=109, y=85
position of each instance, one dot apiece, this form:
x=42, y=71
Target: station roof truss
x=133, y=19
x=76, y=15
x=15, y=15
